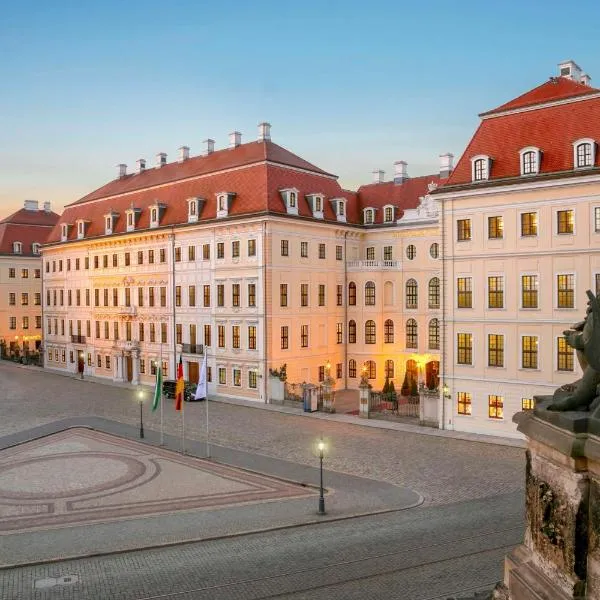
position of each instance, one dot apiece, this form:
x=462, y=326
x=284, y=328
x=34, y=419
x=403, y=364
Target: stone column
x=135, y=360
x=363, y=394
x=115, y=358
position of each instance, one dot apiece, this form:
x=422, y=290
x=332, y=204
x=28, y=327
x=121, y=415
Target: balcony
x=77, y=339
x=369, y=265
x=192, y=348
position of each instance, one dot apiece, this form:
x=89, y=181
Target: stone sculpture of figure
x=583, y=394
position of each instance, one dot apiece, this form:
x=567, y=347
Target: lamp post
x=140, y=397
x=321, y=449
x=81, y=364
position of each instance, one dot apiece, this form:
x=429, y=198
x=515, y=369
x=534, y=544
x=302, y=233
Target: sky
x=349, y=86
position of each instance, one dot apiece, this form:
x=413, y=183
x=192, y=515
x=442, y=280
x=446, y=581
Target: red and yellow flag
x=179, y=386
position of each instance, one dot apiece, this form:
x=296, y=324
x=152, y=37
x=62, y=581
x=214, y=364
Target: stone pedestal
x=328, y=395
x=363, y=394
x=560, y=556
x=428, y=407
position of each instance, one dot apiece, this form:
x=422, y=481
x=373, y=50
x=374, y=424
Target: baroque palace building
x=254, y=257
x=21, y=237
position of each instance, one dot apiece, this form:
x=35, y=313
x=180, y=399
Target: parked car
x=189, y=390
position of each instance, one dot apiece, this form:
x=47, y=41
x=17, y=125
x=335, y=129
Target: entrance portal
x=129, y=368
x=193, y=372
x=432, y=377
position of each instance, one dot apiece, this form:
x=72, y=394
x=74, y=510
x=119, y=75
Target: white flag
x=201, y=390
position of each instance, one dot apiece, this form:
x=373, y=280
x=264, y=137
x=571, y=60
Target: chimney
x=585, y=79
x=400, y=172
x=141, y=165
x=161, y=159
x=264, y=132
x=47, y=207
x=209, y=146
x=235, y=139
x=570, y=70
x=446, y=164
x=30, y=205
x=378, y=176
x=122, y=170
x=184, y=153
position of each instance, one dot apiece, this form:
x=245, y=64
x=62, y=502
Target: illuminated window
x=527, y=403
x=434, y=334
x=495, y=292
x=529, y=352
x=370, y=332
x=495, y=228
x=464, y=349
x=464, y=403
x=495, y=407
x=565, y=221
x=463, y=230
x=564, y=355
x=495, y=350
x=412, y=339
x=434, y=292
x=565, y=286
x=529, y=291
x=464, y=292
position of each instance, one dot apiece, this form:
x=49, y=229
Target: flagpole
x=183, y=422
x=207, y=432
x=162, y=435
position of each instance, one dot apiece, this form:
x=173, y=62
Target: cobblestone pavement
x=442, y=470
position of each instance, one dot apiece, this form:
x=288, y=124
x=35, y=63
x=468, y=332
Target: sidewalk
x=341, y=418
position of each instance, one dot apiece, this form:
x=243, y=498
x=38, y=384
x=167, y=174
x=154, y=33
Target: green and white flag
x=157, y=389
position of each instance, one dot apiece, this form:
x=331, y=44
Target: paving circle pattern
x=81, y=476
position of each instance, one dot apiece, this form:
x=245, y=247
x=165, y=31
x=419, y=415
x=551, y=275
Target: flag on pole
x=179, y=386
x=201, y=391
x=157, y=389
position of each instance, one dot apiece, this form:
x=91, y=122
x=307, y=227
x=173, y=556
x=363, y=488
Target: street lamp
x=446, y=391
x=140, y=397
x=321, y=449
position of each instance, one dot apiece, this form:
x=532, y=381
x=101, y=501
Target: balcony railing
x=78, y=339
x=192, y=348
x=374, y=264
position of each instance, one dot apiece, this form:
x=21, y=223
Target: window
x=529, y=291
x=150, y=296
x=151, y=257
x=105, y=261
x=284, y=337
x=434, y=250
x=352, y=293
x=12, y=322
x=565, y=221
x=235, y=249
x=11, y=273
x=25, y=322
x=127, y=259
x=162, y=255
x=304, y=294
x=369, y=214
x=370, y=332
x=191, y=253
x=597, y=219
x=177, y=295
x=304, y=249
x=495, y=350
x=463, y=230
x=387, y=253
x=235, y=336
x=321, y=250
x=222, y=376
x=371, y=369
x=37, y=299
x=140, y=297
x=17, y=248
x=495, y=407
x=206, y=295
x=12, y=299
x=412, y=339
x=464, y=298
x=25, y=299
x=338, y=370
x=220, y=295
x=564, y=355
x=37, y=273
x=434, y=334
x=252, y=379
x=565, y=287
x=321, y=294
x=434, y=292
x=529, y=162
x=252, y=252
x=321, y=373
x=339, y=253
x=163, y=296
x=370, y=253
x=339, y=334
x=495, y=228
x=389, y=369
x=388, y=215
x=495, y=292
x=388, y=331
x=292, y=199
x=527, y=403
x=370, y=293
x=412, y=294
x=25, y=273
x=207, y=335
x=206, y=251
x=584, y=154
x=220, y=249
x=411, y=252
x=285, y=248
x=283, y=294
x=529, y=224
x=529, y=352
x=235, y=294
x=352, y=368
x=304, y=336
x=251, y=295
x=221, y=336
x=480, y=169
x=597, y=284
x=339, y=295
x=464, y=403
x=464, y=347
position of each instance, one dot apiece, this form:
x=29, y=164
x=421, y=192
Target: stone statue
x=583, y=394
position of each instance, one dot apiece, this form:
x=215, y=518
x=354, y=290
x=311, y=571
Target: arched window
x=412, y=337
x=352, y=332
x=434, y=250
x=388, y=293
x=412, y=371
x=370, y=293
x=370, y=333
x=352, y=293
x=434, y=292
x=584, y=153
x=389, y=369
x=371, y=369
x=388, y=331
x=412, y=294
x=434, y=334
x=530, y=160
x=352, y=368
x=480, y=166
x=389, y=214
x=369, y=216
x=17, y=248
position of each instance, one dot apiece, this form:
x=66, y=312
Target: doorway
x=129, y=368
x=193, y=372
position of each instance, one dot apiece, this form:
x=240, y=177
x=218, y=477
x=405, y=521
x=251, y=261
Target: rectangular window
x=207, y=336
x=206, y=294
x=151, y=257
x=127, y=259
x=339, y=295
x=251, y=337
x=564, y=355
x=235, y=294
x=235, y=249
x=251, y=295
x=529, y=224
x=12, y=322
x=283, y=294
x=178, y=333
x=150, y=296
x=370, y=253
x=178, y=254
x=464, y=349
x=152, y=332
x=11, y=273
x=463, y=230
x=597, y=219
x=140, y=296
x=12, y=299
x=105, y=261
x=464, y=403
x=495, y=292
x=25, y=322
x=565, y=221
x=235, y=336
x=206, y=251
x=252, y=379
x=495, y=407
x=495, y=228
x=140, y=257
x=339, y=333
x=304, y=249
x=529, y=291
x=191, y=253
x=106, y=330
x=37, y=299
x=464, y=292
x=338, y=371
x=304, y=336
x=141, y=332
x=38, y=273
x=105, y=296
x=128, y=331
x=115, y=297
x=78, y=297
x=321, y=294
x=115, y=260
x=529, y=352
x=321, y=250
x=192, y=295
x=116, y=330
x=178, y=295
x=285, y=248
x=251, y=248
x=527, y=403
x=221, y=294
x=25, y=273
x=284, y=337
x=304, y=294
x=339, y=253
x=220, y=249
x=495, y=350
x=221, y=336
x=222, y=376
x=87, y=296
x=97, y=330
x=565, y=286
x=162, y=255
x=387, y=253
x=237, y=377
x=321, y=373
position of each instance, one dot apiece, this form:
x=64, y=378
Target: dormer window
x=388, y=214
x=480, y=168
x=17, y=248
x=316, y=205
x=81, y=227
x=154, y=217
x=194, y=209
x=132, y=215
x=584, y=153
x=109, y=222
x=156, y=212
x=64, y=232
x=530, y=161
x=36, y=248
x=290, y=199
x=369, y=216
x=339, y=208
x=224, y=201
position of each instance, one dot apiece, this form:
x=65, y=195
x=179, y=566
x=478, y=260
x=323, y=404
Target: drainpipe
x=264, y=292
x=443, y=328
x=345, y=298
x=42, y=345
x=172, y=239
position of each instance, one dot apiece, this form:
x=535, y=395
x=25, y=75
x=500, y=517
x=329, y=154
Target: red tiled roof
x=557, y=88
x=552, y=129
x=32, y=217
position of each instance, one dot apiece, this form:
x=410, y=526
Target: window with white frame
x=597, y=219
x=193, y=210
x=290, y=199
x=369, y=216
x=80, y=229
x=530, y=160
x=388, y=214
x=17, y=248
x=154, y=213
x=480, y=168
x=64, y=232
x=584, y=153
x=35, y=248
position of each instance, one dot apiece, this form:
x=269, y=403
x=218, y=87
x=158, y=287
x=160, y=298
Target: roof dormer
x=368, y=216
x=17, y=248
x=36, y=248
x=156, y=213
x=290, y=199
x=224, y=201
x=82, y=225
x=584, y=153
x=195, y=206
x=64, y=231
x=530, y=159
x=132, y=216
x=339, y=208
x=480, y=167
x=110, y=220
x=389, y=213
x=316, y=202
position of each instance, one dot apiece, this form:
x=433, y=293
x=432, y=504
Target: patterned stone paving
x=82, y=476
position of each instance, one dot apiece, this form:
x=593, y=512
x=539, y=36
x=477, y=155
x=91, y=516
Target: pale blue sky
x=350, y=86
